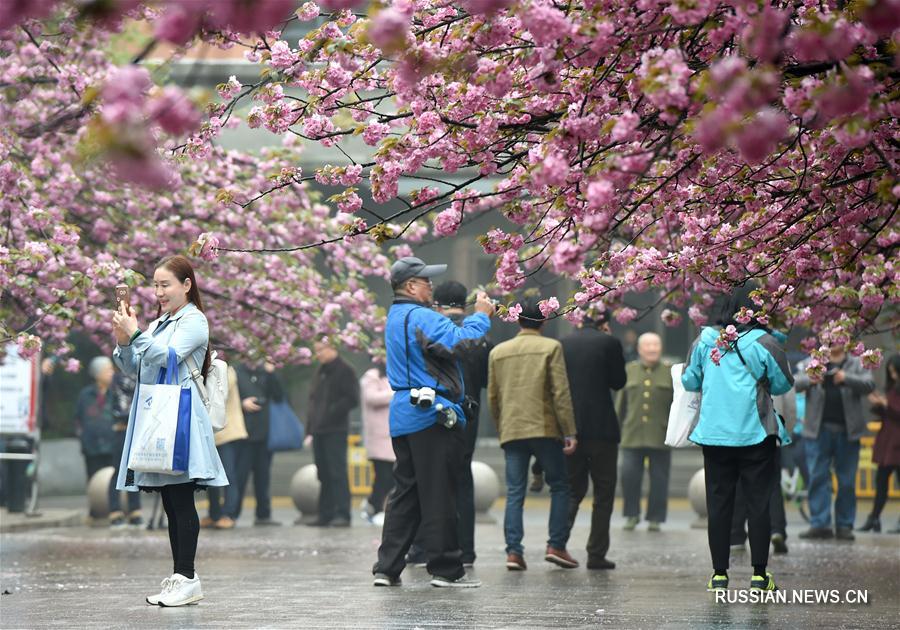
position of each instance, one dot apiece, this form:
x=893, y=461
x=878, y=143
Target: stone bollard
x=98, y=493
x=487, y=489
x=697, y=497
x=305, y=488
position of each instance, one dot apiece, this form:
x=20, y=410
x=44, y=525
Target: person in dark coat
x=121, y=393
x=258, y=387
x=886, y=452
x=93, y=419
x=335, y=391
x=450, y=300
x=595, y=364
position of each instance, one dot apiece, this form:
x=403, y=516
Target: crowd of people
x=571, y=405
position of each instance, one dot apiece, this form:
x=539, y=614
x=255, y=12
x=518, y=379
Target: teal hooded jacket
x=736, y=403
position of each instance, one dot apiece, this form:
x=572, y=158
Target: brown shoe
x=560, y=557
x=224, y=523
x=515, y=562
x=206, y=522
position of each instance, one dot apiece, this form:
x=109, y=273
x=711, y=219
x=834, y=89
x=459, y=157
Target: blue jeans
x=549, y=454
x=832, y=448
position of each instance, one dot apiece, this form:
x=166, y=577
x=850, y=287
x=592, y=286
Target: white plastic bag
x=684, y=412
x=160, y=440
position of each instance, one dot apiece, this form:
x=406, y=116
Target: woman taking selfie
x=182, y=327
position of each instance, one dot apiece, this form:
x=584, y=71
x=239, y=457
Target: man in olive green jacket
x=528, y=393
x=643, y=405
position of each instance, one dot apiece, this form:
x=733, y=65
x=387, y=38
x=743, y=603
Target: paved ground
x=289, y=577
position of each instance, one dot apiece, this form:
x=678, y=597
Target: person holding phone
x=181, y=326
x=835, y=421
x=258, y=387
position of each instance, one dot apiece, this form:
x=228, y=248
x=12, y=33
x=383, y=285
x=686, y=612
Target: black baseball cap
x=451, y=293
x=412, y=267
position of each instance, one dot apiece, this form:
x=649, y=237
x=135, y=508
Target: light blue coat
x=187, y=332
x=736, y=406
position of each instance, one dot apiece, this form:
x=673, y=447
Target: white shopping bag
x=155, y=427
x=684, y=412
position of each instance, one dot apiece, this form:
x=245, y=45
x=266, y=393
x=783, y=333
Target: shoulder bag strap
x=741, y=357
x=196, y=374
x=197, y=377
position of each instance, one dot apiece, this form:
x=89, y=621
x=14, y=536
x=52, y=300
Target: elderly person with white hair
x=643, y=407
x=93, y=420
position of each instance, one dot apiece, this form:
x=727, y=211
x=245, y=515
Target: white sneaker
x=165, y=585
x=182, y=591
x=378, y=519
x=463, y=581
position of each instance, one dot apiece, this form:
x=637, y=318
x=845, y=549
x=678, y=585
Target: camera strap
x=409, y=384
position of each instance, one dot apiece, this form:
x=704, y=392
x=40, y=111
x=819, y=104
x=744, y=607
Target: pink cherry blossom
x=388, y=29
x=28, y=345
x=174, y=112
x=512, y=315
x=548, y=306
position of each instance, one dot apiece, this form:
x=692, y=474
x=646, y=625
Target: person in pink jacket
x=376, y=398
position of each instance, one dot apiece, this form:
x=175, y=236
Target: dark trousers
x=255, y=458
x=777, y=516
x=424, y=494
x=633, y=477
x=465, y=496
x=594, y=459
x=382, y=484
x=465, y=499
x=93, y=463
x=218, y=497
x=184, y=526
x=330, y=454
x=134, y=498
x=882, y=485
x=755, y=469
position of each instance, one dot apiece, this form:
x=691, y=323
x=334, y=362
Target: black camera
x=446, y=416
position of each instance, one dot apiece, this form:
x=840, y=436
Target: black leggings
x=184, y=526
x=882, y=483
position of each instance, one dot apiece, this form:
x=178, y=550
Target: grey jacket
x=858, y=382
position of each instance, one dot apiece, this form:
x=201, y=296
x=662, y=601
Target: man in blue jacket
x=427, y=421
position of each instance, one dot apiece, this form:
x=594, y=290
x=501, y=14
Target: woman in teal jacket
x=738, y=429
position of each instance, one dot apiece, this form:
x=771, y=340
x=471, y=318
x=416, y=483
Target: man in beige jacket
x=528, y=392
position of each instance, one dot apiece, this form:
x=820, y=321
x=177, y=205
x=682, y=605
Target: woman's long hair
x=182, y=269
x=893, y=362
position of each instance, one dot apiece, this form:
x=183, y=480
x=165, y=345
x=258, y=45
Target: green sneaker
x=653, y=526
x=760, y=583
x=717, y=583
x=631, y=523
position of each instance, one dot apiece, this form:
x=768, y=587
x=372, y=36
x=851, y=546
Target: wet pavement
x=294, y=576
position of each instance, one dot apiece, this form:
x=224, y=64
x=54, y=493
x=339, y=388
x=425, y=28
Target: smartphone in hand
x=123, y=296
